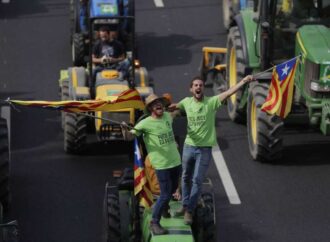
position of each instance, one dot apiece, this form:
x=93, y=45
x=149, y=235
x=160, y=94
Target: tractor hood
x=314, y=42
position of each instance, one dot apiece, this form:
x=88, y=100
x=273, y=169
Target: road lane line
x=224, y=174
x=159, y=3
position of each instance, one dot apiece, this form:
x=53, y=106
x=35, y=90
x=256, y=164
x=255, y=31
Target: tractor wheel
x=235, y=72
x=78, y=50
x=75, y=133
x=64, y=97
x=204, y=220
x=114, y=219
x=213, y=77
x=264, y=131
x=4, y=165
x=227, y=13
x=219, y=83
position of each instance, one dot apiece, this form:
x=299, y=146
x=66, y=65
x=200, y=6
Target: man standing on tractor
x=201, y=136
x=108, y=52
x=163, y=153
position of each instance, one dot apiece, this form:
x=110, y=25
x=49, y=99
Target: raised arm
x=226, y=94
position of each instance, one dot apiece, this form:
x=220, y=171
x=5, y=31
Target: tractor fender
x=78, y=86
x=141, y=77
x=248, y=29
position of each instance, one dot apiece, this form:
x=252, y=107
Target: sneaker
x=157, y=229
x=180, y=212
x=187, y=218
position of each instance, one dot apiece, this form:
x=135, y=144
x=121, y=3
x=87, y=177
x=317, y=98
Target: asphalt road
x=58, y=197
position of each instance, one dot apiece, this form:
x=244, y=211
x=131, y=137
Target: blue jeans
x=168, y=182
x=195, y=162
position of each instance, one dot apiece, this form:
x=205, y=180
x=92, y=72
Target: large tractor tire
x=78, y=50
x=204, y=220
x=120, y=212
x=264, y=131
x=4, y=165
x=75, y=133
x=235, y=72
x=74, y=17
x=64, y=96
x=112, y=218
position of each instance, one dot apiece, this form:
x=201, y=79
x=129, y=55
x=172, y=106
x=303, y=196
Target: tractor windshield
x=287, y=16
x=300, y=12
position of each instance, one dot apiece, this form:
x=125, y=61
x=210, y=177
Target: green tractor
x=126, y=220
x=78, y=83
x=267, y=34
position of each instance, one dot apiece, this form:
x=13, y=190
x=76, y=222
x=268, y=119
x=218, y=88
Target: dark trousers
x=168, y=182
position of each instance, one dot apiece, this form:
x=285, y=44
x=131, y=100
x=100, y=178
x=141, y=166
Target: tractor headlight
x=319, y=87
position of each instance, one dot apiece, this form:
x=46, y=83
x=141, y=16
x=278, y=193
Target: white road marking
x=159, y=3
x=224, y=174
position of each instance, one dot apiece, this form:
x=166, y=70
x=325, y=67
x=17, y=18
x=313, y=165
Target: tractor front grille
x=111, y=130
x=312, y=72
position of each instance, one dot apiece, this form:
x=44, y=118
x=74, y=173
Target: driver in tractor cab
x=109, y=53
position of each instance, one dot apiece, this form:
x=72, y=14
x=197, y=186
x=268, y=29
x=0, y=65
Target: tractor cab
x=281, y=20
x=113, y=13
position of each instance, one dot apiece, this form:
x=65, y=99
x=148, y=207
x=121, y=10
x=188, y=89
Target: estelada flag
x=279, y=99
x=127, y=99
x=141, y=185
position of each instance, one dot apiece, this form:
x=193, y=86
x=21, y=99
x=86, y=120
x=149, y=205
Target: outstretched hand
x=172, y=107
x=248, y=78
x=127, y=135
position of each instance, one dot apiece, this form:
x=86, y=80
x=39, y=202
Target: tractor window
x=289, y=16
x=301, y=12
x=284, y=30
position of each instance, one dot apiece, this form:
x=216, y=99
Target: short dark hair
x=104, y=28
x=196, y=78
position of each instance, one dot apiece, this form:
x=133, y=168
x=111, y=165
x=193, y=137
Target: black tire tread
x=236, y=114
x=75, y=133
x=269, y=128
x=78, y=45
x=4, y=165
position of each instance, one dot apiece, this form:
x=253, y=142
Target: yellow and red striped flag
x=141, y=185
x=127, y=99
x=279, y=99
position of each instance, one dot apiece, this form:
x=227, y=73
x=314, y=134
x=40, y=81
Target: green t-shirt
x=201, y=120
x=159, y=139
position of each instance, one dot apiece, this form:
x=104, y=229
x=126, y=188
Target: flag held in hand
x=141, y=185
x=127, y=99
x=279, y=99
